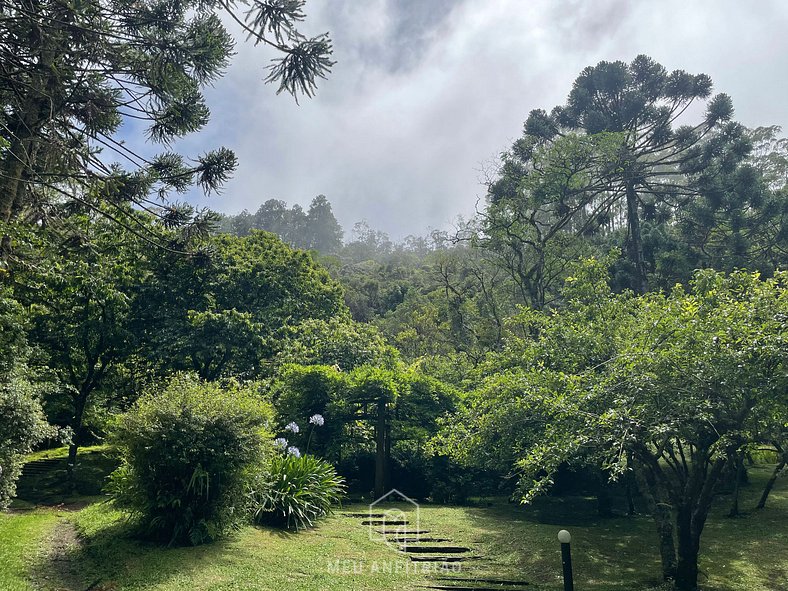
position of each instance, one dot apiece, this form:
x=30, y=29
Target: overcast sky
x=426, y=93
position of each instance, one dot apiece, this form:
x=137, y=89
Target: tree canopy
x=75, y=72
x=668, y=386
x=618, y=156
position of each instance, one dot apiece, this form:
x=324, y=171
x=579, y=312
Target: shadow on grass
x=621, y=553
x=608, y=553
x=112, y=556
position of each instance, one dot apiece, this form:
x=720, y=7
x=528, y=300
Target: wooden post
x=380, y=450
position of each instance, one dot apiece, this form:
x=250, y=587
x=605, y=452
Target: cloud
x=425, y=92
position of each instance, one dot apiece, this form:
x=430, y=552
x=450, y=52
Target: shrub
x=296, y=491
x=22, y=425
x=22, y=422
x=188, y=454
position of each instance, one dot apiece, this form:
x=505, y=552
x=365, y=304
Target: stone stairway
x=421, y=547
x=44, y=466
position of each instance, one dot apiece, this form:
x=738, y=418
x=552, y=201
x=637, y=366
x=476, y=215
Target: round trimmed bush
x=188, y=455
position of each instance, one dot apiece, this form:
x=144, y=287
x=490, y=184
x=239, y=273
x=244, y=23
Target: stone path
x=422, y=548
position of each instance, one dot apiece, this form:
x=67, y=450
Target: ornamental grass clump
x=188, y=456
x=297, y=489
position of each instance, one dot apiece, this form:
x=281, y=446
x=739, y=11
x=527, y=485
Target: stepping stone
x=402, y=532
x=383, y=522
x=435, y=549
x=488, y=581
x=438, y=558
x=406, y=540
x=363, y=515
x=460, y=588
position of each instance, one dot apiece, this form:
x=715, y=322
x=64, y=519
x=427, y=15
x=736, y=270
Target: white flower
x=292, y=427
x=294, y=451
x=280, y=443
x=317, y=420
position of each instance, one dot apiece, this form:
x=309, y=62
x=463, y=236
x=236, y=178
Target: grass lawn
x=23, y=537
x=59, y=550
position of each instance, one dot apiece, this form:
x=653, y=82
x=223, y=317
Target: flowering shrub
x=298, y=489
x=296, y=492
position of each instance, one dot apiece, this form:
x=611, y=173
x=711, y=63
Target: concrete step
x=465, y=588
x=500, y=582
x=436, y=558
x=435, y=549
x=416, y=539
x=363, y=515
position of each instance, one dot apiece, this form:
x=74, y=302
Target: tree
x=739, y=219
x=536, y=211
x=273, y=216
x=366, y=395
x=366, y=408
x=657, y=166
x=80, y=287
x=337, y=342
x=243, y=223
x=74, y=72
x=668, y=386
x=709, y=360
x=227, y=310
x=367, y=243
x=323, y=232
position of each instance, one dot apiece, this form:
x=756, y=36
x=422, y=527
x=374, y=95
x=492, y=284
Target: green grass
x=749, y=553
x=62, y=452
x=23, y=537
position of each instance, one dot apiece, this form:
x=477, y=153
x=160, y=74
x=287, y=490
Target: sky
x=426, y=94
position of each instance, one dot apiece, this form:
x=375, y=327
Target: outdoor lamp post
x=566, y=559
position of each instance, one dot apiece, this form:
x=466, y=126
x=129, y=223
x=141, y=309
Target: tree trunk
x=537, y=291
x=691, y=516
x=12, y=169
x=387, y=461
x=770, y=484
x=380, y=450
x=604, y=502
x=635, y=241
x=631, y=487
x=688, y=549
x=76, y=425
x=739, y=475
x=657, y=503
x=687, y=565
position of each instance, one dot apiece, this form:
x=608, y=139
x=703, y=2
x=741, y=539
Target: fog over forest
x=425, y=95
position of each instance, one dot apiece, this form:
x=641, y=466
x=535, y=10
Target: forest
x=196, y=399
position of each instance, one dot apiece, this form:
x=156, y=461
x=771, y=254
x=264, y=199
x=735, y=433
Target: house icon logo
x=394, y=519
